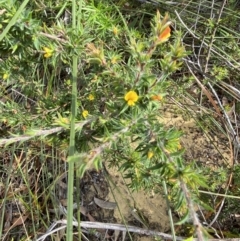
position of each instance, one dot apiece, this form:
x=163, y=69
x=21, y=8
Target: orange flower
x=157, y=97
x=165, y=34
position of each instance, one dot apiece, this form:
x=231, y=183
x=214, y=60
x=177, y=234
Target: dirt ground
x=138, y=208
x=204, y=147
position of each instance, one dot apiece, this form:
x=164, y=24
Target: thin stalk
x=219, y=194
x=72, y=135
x=193, y=214
x=213, y=35
x=169, y=211
x=78, y=207
x=79, y=27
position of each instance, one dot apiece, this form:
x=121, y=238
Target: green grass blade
x=72, y=136
x=14, y=19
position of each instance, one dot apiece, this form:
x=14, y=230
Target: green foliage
x=127, y=65
x=215, y=177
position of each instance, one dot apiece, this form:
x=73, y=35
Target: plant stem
x=72, y=136
x=169, y=211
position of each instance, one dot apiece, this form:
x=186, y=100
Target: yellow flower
x=131, y=97
x=115, y=31
x=47, y=52
x=5, y=76
x=91, y=97
x=150, y=154
x=85, y=114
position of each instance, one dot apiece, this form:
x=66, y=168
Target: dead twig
x=206, y=92
x=112, y=226
x=37, y=133
x=97, y=225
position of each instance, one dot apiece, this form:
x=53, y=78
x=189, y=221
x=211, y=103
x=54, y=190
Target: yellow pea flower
x=85, y=114
x=5, y=76
x=47, y=52
x=131, y=97
x=115, y=31
x=150, y=154
x=91, y=97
